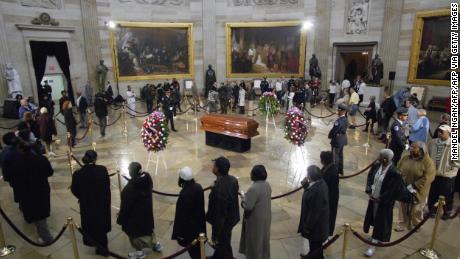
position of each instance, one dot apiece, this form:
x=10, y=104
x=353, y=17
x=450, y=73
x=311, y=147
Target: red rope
x=358, y=173
x=183, y=250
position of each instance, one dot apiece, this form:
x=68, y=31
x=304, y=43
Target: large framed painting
x=143, y=50
x=271, y=49
x=430, y=52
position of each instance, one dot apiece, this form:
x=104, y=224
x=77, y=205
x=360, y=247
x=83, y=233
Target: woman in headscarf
x=418, y=172
x=91, y=186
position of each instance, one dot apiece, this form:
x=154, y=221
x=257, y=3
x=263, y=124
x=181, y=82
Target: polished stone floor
x=286, y=167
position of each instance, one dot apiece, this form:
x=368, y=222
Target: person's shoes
x=370, y=251
x=445, y=216
x=103, y=252
x=51, y=153
x=400, y=228
x=174, y=130
x=157, y=247
x=40, y=241
x=136, y=255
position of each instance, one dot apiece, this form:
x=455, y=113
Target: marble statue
x=377, y=69
x=101, y=71
x=13, y=80
x=357, y=17
x=314, y=70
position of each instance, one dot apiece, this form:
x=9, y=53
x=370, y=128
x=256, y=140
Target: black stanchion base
x=7, y=250
x=227, y=142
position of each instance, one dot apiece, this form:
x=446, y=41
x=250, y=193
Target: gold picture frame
x=302, y=46
x=154, y=25
x=417, y=35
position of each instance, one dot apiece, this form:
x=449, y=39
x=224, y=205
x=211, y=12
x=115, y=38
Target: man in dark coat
x=209, y=80
x=100, y=109
x=64, y=97
x=223, y=209
x=264, y=85
x=45, y=90
x=338, y=136
x=82, y=106
x=190, y=219
x=383, y=183
x=224, y=98
x=91, y=186
x=331, y=177
x=387, y=108
x=147, y=92
x=398, y=138
x=168, y=108
x=314, y=214
x=136, y=211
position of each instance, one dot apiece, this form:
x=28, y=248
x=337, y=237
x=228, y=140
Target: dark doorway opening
x=351, y=59
x=355, y=64
x=40, y=51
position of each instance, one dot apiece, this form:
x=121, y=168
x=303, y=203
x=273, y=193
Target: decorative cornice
x=28, y=27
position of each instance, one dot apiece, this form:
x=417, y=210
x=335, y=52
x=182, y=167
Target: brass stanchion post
x=90, y=125
x=71, y=226
x=202, y=240
x=346, y=229
x=5, y=250
x=119, y=181
x=69, y=153
x=368, y=133
x=430, y=252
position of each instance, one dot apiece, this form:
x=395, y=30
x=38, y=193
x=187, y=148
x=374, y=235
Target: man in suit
x=398, y=137
x=82, y=105
x=314, y=213
x=168, y=108
x=264, y=85
x=338, y=136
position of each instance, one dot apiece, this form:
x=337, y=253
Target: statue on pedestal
x=101, y=76
x=314, y=69
x=210, y=79
x=13, y=80
x=377, y=69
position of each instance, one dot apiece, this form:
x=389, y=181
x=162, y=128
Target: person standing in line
x=47, y=129
x=223, y=98
x=223, y=210
x=345, y=85
x=308, y=98
x=412, y=113
x=371, y=114
x=383, y=183
x=360, y=87
x=190, y=219
x=256, y=202
x=236, y=92
x=444, y=120
x=241, y=99
x=338, y=136
x=331, y=177
x=213, y=95
x=332, y=92
x=353, y=103
x=91, y=186
x=64, y=97
x=131, y=102
x=446, y=170
x=149, y=96
x=398, y=138
x=420, y=130
x=168, y=107
x=70, y=122
x=387, y=108
x=136, y=212
x=100, y=109
x=82, y=106
x=314, y=213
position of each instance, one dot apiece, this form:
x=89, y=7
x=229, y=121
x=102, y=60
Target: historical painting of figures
x=153, y=50
x=270, y=49
x=430, y=52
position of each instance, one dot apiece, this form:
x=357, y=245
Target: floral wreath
x=295, y=127
x=155, y=132
x=268, y=104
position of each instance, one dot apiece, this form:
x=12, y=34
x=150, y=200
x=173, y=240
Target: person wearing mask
x=444, y=120
x=131, y=102
x=100, y=109
x=338, y=136
x=91, y=186
x=371, y=114
x=331, y=177
x=70, y=122
x=241, y=99
x=251, y=100
x=418, y=172
x=398, y=140
x=314, y=213
x=353, y=103
x=383, y=182
x=256, y=202
x=223, y=210
x=82, y=106
x=332, y=92
x=168, y=108
x=420, y=130
x=136, y=212
x=446, y=170
x=47, y=129
x=189, y=220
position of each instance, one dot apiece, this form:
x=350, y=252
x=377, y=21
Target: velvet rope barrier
x=9, y=128
x=127, y=106
x=97, y=244
x=324, y=246
x=85, y=133
x=388, y=244
x=110, y=124
x=188, y=109
x=288, y=193
x=28, y=240
x=183, y=250
x=76, y=160
x=320, y=117
x=137, y=116
x=359, y=172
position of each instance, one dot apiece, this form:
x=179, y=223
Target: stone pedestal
x=321, y=44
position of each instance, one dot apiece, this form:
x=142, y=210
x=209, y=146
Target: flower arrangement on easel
x=155, y=132
x=269, y=105
x=295, y=127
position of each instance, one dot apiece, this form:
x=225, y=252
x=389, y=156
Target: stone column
x=91, y=35
x=390, y=37
x=322, y=27
x=4, y=58
x=209, y=38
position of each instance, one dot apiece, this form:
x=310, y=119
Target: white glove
x=407, y=147
x=411, y=189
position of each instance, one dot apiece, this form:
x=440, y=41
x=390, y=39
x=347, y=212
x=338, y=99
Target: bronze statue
x=377, y=69
x=101, y=76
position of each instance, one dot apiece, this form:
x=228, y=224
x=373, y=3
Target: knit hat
x=445, y=128
x=185, y=173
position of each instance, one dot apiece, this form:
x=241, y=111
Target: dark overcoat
x=91, y=186
x=70, y=122
x=383, y=219
x=331, y=177
x=136, y=209
x=47, y=127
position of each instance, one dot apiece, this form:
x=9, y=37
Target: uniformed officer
x=45, y=90
x=338, y=136
x=168, y=108
x=398, y=138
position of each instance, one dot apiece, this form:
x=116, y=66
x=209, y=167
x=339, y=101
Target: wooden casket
x=229, y=132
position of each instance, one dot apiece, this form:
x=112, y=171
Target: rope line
x=359, y=172
x=110, y=124
x=9, y=128
x=127, y=106
x=320, y=117
x=28, y=240
x=325, y=245
x=97, y=243
x=85, y=133
x=183, y=250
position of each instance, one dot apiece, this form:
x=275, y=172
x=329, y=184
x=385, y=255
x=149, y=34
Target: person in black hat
x=223, y=209
x=398, y=138
x=338, y=136
x=91, y=186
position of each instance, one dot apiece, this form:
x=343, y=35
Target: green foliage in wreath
x=268, y=104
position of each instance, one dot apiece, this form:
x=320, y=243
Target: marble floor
x=286, y=167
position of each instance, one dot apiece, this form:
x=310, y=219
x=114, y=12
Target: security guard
x=168, y=108
x=338, y=136
x=398, y=138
